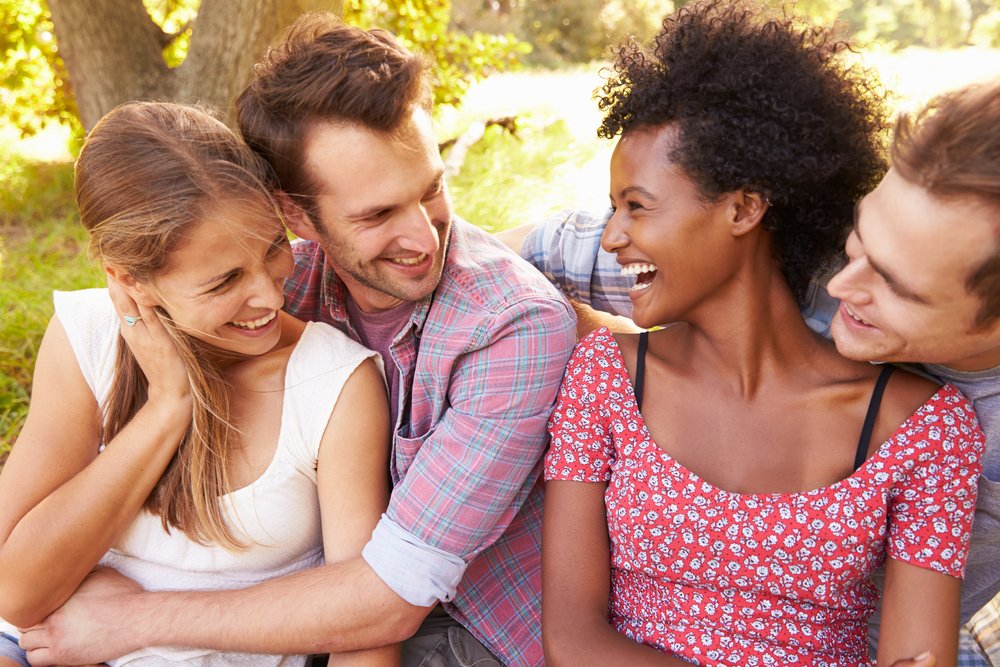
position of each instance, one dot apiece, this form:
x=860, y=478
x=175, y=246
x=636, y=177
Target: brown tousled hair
x=148, y=172
x=951, y=148
x=324, y=71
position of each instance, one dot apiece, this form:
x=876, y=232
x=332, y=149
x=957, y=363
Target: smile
x=847, y=309
x=408, y=261
x=255, y=324
x=643, y=272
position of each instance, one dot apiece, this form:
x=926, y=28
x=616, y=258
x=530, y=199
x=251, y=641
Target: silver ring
x=130, y=320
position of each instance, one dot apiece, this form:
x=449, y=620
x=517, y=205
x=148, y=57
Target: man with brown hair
x=922, y=285
x=474, y=343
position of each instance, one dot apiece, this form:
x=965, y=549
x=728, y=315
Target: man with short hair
x=922, y=284
x=474, y=343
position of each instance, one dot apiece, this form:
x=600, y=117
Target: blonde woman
x=183, y=429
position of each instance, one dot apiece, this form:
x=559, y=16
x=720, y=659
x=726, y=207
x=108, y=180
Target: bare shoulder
x=905, y=393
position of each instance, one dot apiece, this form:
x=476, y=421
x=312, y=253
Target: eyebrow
x=891, y=280
x=225, y=274
x=435, y=183
x=638, y=189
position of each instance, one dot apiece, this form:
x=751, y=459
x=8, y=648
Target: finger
x=32, y=639
x=123, y=303
x=150, y=318
x=40, y=658
x=927, y=659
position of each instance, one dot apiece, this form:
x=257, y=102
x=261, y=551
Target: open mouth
x=408, y=261
x=643, y=272
x=850, y=313
x=251, y=325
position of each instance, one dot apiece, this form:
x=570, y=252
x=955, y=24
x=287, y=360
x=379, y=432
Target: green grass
x=42, y=246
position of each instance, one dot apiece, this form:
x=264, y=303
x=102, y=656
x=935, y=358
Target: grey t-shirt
x=982, y=570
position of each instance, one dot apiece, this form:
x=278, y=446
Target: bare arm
x=340, y=607
x=61, y=505
x=919, y=614
x=575, y=627
x=352, y=482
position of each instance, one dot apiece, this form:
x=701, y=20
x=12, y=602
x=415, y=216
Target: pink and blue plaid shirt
x=480, y=364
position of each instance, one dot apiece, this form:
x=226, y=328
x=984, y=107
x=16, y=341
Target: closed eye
x=279, y=244
x=226, y=282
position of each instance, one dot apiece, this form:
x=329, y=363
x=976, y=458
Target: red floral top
x=721, y=578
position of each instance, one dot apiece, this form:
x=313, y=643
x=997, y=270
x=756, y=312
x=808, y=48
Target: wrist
x=170, y=407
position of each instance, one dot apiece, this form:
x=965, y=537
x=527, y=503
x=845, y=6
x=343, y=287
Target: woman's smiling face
x=663, y=230
x=223, y=284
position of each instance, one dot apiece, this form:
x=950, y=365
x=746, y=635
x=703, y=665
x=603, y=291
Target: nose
x=849, y=283
x=419, y=229
x=267, y=283
x=615, y=236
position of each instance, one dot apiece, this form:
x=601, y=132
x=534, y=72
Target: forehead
x=349, y=160
x=225, y=232
x=645, y=154
x=931, y=244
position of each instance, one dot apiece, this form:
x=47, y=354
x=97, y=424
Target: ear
x=295, y=217
x=139, y=292
x=747, y=209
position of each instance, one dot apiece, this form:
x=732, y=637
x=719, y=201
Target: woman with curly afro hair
x=727, y=480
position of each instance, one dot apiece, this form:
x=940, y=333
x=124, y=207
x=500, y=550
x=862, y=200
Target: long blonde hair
x=148, y=172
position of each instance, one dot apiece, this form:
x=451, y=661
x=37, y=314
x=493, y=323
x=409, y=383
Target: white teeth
x=409, y=261
x=853, y=316
x=637, y=268
x=255, y=324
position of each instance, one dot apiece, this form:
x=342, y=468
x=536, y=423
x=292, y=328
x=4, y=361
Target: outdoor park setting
x=297, y=398
x=536, y=63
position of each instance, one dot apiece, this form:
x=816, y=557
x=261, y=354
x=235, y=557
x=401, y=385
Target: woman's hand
x=151, y=345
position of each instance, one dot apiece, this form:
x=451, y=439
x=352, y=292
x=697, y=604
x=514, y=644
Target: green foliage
x=508, y=181
x=34, y=87
x=176, y=18
x=458, y=59
x=566, y=31
x=42, y=246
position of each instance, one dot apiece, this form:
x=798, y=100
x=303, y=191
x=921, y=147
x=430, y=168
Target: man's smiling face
x=904, y=294
x=383, y=208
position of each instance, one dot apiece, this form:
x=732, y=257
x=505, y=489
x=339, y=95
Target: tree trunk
x=114, y=52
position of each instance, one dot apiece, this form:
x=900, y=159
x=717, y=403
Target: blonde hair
x=148, y=172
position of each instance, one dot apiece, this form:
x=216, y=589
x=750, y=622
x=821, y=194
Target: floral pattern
x=721, y=578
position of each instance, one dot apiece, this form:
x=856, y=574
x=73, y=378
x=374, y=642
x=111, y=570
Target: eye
x=227, y=282
x=436, y=190
x=634, y=206
x=379, y=216
x=279, y=244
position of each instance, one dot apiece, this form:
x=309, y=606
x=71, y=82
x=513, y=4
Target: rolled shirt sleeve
x=475, y=469
x=418, y=572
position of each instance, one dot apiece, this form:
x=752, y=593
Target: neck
x=754, y=334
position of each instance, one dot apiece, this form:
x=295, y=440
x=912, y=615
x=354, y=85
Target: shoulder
x=598, y=350
x=912, y=397
x=88, y=317
x=487, y=275
x=84, y=305
x=945, y=417
x=322, y=346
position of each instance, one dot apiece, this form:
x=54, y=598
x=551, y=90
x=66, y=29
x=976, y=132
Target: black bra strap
x=873, y=405
x=640, y=368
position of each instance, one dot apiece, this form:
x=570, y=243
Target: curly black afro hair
x=765, y=105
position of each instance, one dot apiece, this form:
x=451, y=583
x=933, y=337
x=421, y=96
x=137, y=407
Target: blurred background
x=515, y=110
